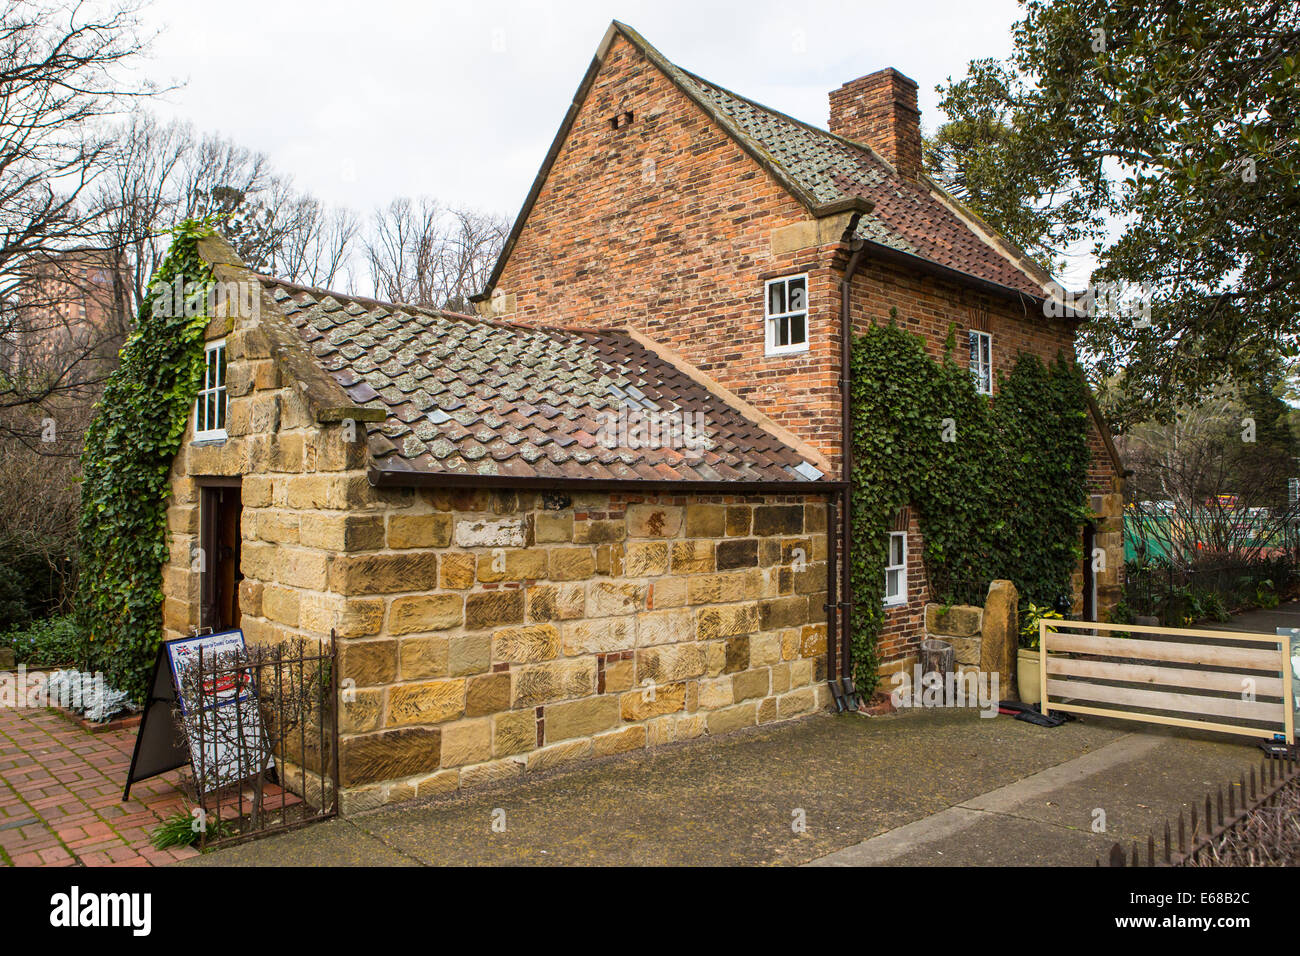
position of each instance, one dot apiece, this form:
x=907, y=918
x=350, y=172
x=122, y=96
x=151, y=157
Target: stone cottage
x=601, y=514
x=747, y=241
x=534, y=543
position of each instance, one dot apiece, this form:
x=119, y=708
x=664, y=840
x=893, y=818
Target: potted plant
x=1027, y=660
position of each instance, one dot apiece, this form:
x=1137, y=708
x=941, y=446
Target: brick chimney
x=880, y=110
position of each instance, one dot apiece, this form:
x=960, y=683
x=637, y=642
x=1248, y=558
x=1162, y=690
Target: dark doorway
x=219, y=536
x=1089, y=573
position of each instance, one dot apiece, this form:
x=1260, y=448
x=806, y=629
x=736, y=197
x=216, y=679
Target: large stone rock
x=1000, y=638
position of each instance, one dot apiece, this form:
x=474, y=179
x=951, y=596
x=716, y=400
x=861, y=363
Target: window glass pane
x=776, y=298
x=798, y=335
x=974, y=350
x=896, y=549
x=798, y=295
x=781, y=335
x=198, y=414
x=220, y=398
x=891, y=584
x=219, y=366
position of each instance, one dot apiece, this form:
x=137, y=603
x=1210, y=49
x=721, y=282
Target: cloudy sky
x=362, y=101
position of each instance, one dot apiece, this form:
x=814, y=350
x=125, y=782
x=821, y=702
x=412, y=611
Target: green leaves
x=1005, y=499
x=130, y=445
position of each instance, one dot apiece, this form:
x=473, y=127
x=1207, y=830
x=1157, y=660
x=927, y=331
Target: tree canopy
x=1164, y=133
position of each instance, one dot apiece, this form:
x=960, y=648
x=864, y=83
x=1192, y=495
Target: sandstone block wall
x=496, y=633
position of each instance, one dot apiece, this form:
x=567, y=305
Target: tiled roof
x=906, y=216
x=471, y=397
x=824, y=171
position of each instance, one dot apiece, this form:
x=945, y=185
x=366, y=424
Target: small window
x=981, y=361
x=896, y=569
x=210, y=407
x=786, y=311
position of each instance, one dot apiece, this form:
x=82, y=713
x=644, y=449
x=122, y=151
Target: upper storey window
x=786, y=315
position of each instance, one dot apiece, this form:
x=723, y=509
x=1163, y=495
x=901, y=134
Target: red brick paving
x=61, y=796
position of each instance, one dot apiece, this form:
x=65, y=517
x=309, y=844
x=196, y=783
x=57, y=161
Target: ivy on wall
x=999, y=487
x=136, y=432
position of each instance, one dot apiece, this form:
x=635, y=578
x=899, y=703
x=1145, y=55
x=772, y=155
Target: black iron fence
x=262, y=727
x=1237, y=831
x=1178, y=596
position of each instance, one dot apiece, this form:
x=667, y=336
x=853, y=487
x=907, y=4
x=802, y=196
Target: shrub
x=50, y=642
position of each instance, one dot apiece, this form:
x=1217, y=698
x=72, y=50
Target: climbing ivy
x=998, y=487
x=136, y=432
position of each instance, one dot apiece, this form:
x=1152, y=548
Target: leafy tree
x=1164, y=131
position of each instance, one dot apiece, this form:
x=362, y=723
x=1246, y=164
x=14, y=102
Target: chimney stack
x=880, y=110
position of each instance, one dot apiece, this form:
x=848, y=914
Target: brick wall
x=666, y=225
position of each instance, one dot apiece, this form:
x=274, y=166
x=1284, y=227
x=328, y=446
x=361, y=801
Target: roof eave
x=392, y=478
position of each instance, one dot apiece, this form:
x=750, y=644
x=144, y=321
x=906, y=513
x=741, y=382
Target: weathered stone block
x=750, y=684
x=368, y=663
x=654, y=701
x=342, y=532
x=599, y=635
x=494, y=608
x=726, y=621
x=737, y=553
x=549, y=602
x=388, y=755
x=384, y=573
x=653, y=521
x=466, y=742
x=958, y=620
x=599, y=531
x=509, y=532
x=618, y=741
x=426, y=702
x=608, y=598
x=423, y=657
x=778, y=519
x=581, y=718
x=671, y=662
x=513, y=732
x=706, y=521
x=783, y=612
x=487, y=694
x=419, y=531
x=571, y=564
x=733, y=718
x=553, y=527
x=457, y=570
x=739, y=520
x=361, y=711
x=425, y=612
x=646, y=559
x=557, y=755
x=692, y=557
x=526, y=644
x=469, y=654
x=665, y=627
x=501, y=565
x=554, y=680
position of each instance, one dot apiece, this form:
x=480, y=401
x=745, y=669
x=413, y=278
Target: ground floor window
x=896, y=569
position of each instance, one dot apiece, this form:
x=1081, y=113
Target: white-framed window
x=785, y=314
x=896, y=569
x=981, y=361
x=210, y=406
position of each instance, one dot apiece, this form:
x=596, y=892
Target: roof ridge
x=430, y=310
